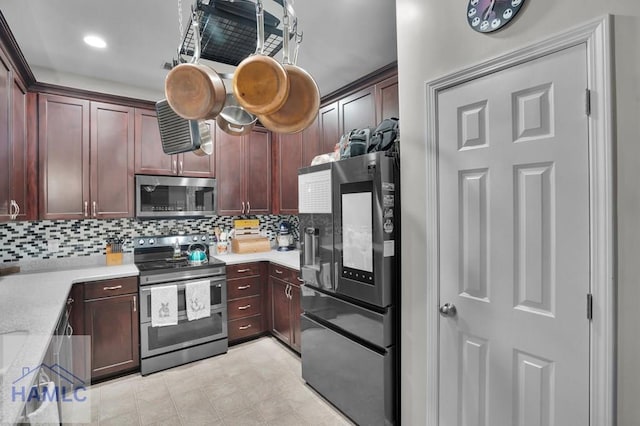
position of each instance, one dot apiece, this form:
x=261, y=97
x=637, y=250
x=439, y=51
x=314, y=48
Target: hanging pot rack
x=228, y=31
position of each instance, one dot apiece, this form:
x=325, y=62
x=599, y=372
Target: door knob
x=448, y=310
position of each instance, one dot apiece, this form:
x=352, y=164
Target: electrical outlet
x=53, y=246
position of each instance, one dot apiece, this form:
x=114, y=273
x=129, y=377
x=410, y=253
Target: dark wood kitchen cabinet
x=243, y=171
x=18, y=175
x=86, y=159
x=329, y=128
x=111, y=320
x=150, y=158
x=387, y=99
x=290, y=152
x=246, y=300
x=285, y=308
x=358, y=110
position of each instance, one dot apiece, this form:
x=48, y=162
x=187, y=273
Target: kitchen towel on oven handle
x=164, y=305
x=198, y=299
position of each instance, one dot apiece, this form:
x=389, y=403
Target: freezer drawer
x=358, y=381
x=373, y=327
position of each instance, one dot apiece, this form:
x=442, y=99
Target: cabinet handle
x=181, y=168
x=244, y=327
x=135, y=303
x=244, y=287
x=86, y=209
x=240, y=271
x=300, y=279
x=115, y=287
x=17, y=208
x=242, y=308
x=278, y=271
x=248, y=207
x=70, y=301
x=286, y=291
x=174, y=167
x=242, y=212
x=12, y=210
x=94, y=208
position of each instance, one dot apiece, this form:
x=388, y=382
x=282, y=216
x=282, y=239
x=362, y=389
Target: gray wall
x=434, y=40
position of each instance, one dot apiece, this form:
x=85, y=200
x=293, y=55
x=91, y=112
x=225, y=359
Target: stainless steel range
x=170, y=268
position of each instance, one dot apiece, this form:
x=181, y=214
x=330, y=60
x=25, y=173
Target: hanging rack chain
x=180, y=27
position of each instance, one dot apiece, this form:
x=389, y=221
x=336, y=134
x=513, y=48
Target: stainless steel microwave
x=173, y=196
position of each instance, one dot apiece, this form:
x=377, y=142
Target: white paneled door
x=513, y=167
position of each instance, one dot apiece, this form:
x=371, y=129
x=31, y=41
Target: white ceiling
x=343, y=39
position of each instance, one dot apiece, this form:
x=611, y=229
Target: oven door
x=160, y=340
x=218, y=296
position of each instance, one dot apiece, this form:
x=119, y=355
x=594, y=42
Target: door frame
x=596, y=35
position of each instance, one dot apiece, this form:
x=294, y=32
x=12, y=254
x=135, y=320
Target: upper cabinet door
x=191, y=164
x=257, y=154
x=287, y=155
x=112, y=164
x=387, y=101
x=20, y=176
x=329, y=127
x=310, y=144
x=64, y=157
x=358, y=110
x=150, y=159
x=230, y=174
x=5, y=140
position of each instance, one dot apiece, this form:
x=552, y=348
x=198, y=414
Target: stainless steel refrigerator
x=349, y=229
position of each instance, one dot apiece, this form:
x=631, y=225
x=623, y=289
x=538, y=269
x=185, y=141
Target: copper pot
x=195, y=91
x=260, y=83
x=301, y=107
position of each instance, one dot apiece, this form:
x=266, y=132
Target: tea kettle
x=197, y=256
x=285, y=238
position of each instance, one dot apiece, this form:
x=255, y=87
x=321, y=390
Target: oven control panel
x=168, y=241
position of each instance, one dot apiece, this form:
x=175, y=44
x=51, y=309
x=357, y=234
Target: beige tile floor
x=255, y=383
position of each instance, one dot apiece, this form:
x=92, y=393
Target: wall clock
x=486, y=16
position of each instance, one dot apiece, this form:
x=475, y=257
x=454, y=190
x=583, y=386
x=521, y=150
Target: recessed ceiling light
x=95, y=41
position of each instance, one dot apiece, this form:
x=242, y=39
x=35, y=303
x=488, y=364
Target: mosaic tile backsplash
x=74, y=238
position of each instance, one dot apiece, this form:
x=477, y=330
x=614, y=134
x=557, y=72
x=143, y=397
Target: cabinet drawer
x=244, y=287
x=245, y=327
x=245, y=307
x=106, y=288
x=285, y=274
x=243, y=270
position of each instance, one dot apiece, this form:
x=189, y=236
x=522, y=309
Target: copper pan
x=301, y=107
x=195, y=91
x=260, y=82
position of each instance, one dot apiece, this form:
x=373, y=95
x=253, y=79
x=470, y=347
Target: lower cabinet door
x=113, y=325
x=296, y=311
x=280, y=310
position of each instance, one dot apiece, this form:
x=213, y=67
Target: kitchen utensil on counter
x=302, y=104
x=113, y=251
x=235, y=120
x=197, y=254
x=247, y=238
x=285, y=237
x=195, y=91
x=260, y=83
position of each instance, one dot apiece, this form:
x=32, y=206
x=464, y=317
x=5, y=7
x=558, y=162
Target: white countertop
x=32, y=302
x=289, y=259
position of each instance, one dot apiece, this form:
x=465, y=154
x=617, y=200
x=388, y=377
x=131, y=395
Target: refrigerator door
x=365, y=219
x=354, y=378
x=376, y=328
x=315, y=205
